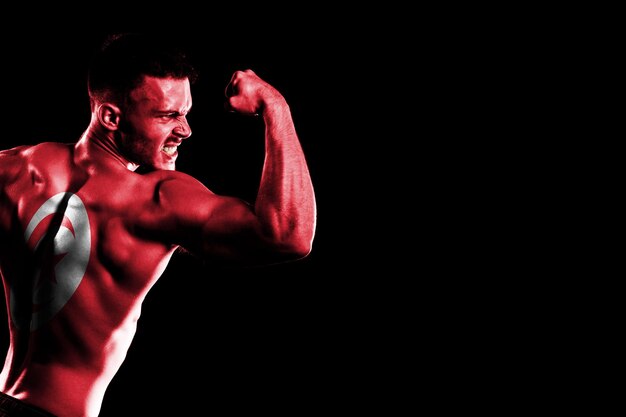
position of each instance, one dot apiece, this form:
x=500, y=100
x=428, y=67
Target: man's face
x=155, y=122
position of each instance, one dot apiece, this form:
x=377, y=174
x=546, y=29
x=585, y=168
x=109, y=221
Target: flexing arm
x=285, y=203
x=281, y=225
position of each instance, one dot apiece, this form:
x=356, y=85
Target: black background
x=401, y=115
x=277, y=338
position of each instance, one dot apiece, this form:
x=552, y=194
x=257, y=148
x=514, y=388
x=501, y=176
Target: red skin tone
x=136, y=223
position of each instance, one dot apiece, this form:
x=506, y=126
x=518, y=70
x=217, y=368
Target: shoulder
x=175, y=202
x=175, y=182
x=177, y=191
x=14, y=153
x=42, y=151
x=181, y=197
x=13, y=161
x=47, y=150
x=38, y=148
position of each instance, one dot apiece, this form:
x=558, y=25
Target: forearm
x=285, y=204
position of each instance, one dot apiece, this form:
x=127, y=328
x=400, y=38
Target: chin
x=162, y=167
x=161, y=163
x=167, y=166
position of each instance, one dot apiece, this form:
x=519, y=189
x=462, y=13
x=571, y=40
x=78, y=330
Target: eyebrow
x=170, y=111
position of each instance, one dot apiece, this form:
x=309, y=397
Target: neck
x=99, y=147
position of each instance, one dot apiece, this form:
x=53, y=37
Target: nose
x=182, y=129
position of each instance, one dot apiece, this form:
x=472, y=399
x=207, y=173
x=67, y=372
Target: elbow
x=296, y=248
x=292, y=242
x=300, y=250
x=300, y=241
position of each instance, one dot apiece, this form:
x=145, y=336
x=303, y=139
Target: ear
x=109, y=116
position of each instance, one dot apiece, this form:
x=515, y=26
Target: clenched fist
x=247, y=93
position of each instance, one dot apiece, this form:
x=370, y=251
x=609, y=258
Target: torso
x=74, y=302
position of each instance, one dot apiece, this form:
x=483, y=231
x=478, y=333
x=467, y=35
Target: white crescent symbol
x=49, y=296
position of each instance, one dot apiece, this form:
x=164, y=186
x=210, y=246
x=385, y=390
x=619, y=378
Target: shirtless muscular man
x=84, y=235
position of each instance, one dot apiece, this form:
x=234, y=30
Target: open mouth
x=169, y=150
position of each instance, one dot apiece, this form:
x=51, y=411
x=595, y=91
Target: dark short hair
x=124, y=59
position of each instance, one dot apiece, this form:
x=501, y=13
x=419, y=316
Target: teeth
x=170, y=150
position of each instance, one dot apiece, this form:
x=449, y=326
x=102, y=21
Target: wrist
x=272, y=105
